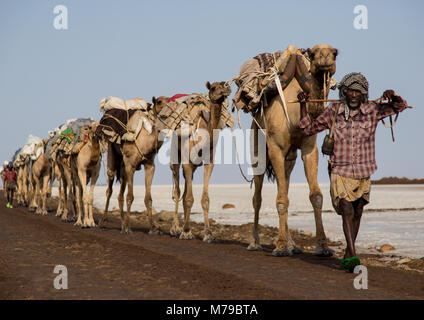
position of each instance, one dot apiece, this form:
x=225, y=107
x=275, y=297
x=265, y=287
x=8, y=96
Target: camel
x=23, y=180
x=55, y=173
x=67, y=193
x=218, y=93
x=19, y=165
x=282, y=145
x=85, y=167
x=123, y=160
x=40, y=179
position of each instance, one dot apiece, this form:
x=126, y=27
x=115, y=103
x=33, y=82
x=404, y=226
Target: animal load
x=31, y=148
x=190, y=109
x=69, y=135
x=114, y=124
x=260, y=73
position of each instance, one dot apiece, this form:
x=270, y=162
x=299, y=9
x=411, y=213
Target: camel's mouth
x=326, y=67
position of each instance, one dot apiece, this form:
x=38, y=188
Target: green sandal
x=350, y=263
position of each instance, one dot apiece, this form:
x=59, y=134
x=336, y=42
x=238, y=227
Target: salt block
x=228, y=206
x=386, y=248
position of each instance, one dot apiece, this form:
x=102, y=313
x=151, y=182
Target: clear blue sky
x=152, y=48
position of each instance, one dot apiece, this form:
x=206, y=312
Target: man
x=353, y=159
x=10, y=184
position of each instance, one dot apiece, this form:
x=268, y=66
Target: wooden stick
x=337, y=100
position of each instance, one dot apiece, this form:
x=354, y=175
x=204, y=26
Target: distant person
x=352, y=161
x=2, y=171
x=10, y=184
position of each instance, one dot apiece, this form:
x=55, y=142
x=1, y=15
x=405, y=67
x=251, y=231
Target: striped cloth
x=354, y=139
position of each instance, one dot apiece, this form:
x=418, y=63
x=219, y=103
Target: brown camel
x=283, y=141
x=218, y=93
x=40, y=179
x=124, y=159
x=22, y=182
x=85, y=167
x=67, y=191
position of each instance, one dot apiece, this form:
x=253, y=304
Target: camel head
x=93, y=126
x=158, y=104
x=218, y=91
x=323, y=59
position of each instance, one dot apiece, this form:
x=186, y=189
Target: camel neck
x=215, y=115
x=317, y=92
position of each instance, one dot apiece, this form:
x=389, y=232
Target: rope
x=238, y=160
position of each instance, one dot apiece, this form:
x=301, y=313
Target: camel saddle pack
x=115, y=123
x=190, y=109
x=67, y=136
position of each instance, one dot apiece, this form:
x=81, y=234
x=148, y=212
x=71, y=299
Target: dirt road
x=103, y=264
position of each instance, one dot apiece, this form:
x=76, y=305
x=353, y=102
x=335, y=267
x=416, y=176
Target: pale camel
x=85, y=168
x=282, y=145
x=40, y=178
x=21, y=165
x=218, y=93
x=124, y=159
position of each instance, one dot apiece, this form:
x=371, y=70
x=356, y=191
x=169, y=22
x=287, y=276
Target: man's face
x=353, y=98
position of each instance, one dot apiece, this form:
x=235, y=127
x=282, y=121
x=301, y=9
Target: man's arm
x=395, y=105
x=310, y=127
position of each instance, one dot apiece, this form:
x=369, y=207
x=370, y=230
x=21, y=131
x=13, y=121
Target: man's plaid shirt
x=354, y=139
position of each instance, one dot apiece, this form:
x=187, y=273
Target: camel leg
x=79, y=182
x=109, y=191
x=310, y=161
x=255, y=243
x=94, y=178
x=82, y=174
x=44, y=194
x=277, y=158
x=289, y=165
x=208, y=168
x=64, y=195
x=129, y=173
x=33, y=195
x=37, y=195
x=72, y=194
x=59, y=210
x=175, y=228
x=149, y=171
x=188, y=201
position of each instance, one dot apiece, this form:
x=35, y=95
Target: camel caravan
x=131, y=132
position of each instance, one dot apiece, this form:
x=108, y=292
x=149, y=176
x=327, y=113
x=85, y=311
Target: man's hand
x=390, y=95
x=303, y=97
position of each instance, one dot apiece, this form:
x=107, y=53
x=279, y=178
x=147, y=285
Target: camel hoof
x=209, y=239
x=282, y=253
x=297, y=250
x=79, y=223
x=129, y=231
x=255, y=247
x=154, y=232
x=186, y=236
x=175, y=232
x=324, y=253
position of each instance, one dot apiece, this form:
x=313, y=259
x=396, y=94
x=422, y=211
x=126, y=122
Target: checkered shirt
x=354, y=139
